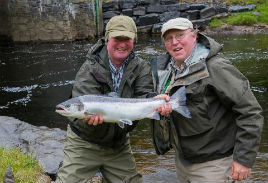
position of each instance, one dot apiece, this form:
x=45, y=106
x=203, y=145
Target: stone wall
x=58, y=20
x=149, y=16
x=47, y=20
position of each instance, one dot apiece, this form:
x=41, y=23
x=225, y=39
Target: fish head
x=71, y=108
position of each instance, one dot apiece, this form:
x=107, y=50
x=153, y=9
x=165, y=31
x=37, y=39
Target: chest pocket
x=198, y=106
x=195, y=92
x=128, y=86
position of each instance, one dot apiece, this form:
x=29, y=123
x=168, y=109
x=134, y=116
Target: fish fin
x=178, y=102
x=121, y=124
x=126, y=121
x=155, y=115
x=87, y=113
x=113, y=94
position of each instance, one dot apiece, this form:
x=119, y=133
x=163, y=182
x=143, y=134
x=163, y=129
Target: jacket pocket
x=200, y=121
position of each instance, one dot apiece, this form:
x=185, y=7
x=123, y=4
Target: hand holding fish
x=166, y=108
x=94, y=120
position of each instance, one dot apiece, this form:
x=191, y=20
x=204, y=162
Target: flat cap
x=176, y=23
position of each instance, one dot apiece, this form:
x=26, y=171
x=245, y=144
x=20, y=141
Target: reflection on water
x=35, y=77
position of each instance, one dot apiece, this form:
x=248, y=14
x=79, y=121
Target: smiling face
x=119, y=48
x=180, y=43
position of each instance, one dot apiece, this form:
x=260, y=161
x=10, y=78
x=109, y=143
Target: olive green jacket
x=226, y=117
x=94, y=77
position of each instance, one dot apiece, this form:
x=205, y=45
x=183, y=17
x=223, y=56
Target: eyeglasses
x=178, y=37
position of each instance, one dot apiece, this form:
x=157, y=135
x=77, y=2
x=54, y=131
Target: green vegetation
x=215, y=22
x=24, y=167
x=244, y=2
x=245, y=18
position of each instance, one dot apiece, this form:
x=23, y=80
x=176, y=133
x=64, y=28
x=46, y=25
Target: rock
x=256, y=13
x=143, y=2
x=235, y=9
x=193, y=14
x=156, y=9
x=127, y=4
x=161, y=176
x=178, y=7
x=9, y=177
x=110, y=6
x=110, y=14
x=201, y=24
x=197, y=6
x=44, y=143
x=168, y=2
x=148, y=19
x=139, y=11
x=157, y=28
x=145, y=29
x=207, y=12
x=128, y=12
x=164, y=17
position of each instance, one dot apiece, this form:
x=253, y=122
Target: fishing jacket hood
x=226, y=117
x=94, y=77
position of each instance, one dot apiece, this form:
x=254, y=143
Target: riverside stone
x=169, y=15
x=197, y=6
x=127, y=4
x=193, y=14
x=139, y=11
x=110, y=14
x=148, y=19
x=207, y=12
x=42, y=142
x=242, y=8
x=156, y=9
x=128, y=12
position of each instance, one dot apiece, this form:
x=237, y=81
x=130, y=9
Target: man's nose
x=174, y=41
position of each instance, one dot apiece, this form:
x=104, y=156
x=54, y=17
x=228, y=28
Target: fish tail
x=178, y=102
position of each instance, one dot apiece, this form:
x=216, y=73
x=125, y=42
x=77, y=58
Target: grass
x=243, y=2
x=25, y=168
x=245, y=18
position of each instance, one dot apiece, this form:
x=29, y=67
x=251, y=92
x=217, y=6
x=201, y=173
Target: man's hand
x=239, y=172
x=166, y=108
x=94, y=120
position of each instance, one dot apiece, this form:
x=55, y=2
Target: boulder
x=156, y=9
x=139, y=11
x=148, y=19
x=46, y=144
x=235, y=9
x=207, y=12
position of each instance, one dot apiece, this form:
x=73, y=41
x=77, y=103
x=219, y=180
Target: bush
x=244, y=2
x=242, y=19
x=215, y=22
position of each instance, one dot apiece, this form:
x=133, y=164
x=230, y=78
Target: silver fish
x=121, y=110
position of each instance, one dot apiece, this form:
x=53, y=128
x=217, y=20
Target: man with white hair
x=220, y=142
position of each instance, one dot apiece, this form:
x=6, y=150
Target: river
x=34, y=77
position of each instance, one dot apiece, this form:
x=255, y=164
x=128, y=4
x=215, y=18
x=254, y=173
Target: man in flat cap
x=93, y=146
x=220, y=142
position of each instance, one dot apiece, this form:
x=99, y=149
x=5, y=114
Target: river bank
x=237, y=30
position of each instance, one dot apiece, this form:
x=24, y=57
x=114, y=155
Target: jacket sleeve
x=85, y=82
x=233, y=89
